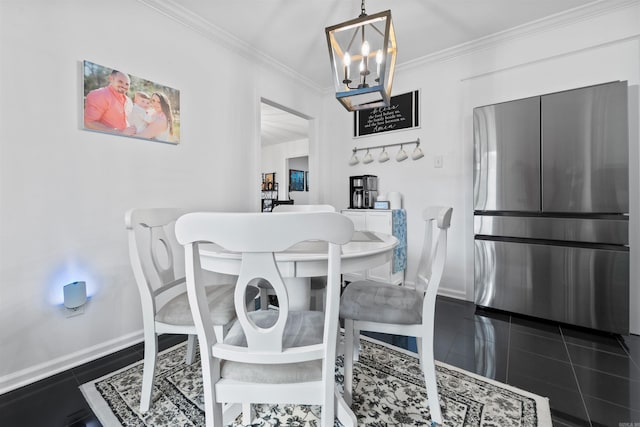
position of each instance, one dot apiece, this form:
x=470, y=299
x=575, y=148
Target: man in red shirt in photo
x=106, y=109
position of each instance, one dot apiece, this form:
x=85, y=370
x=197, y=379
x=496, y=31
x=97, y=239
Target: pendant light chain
x=362, y=11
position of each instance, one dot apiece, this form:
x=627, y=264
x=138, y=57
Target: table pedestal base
x=299, y=290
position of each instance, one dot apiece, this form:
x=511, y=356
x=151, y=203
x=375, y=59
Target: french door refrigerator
x=551, y=203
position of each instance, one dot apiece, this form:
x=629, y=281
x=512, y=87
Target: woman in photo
x=161, y=126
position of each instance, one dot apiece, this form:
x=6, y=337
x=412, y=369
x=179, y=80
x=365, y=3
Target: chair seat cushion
x=382, y=303
x=220, y=298
x=302, y=328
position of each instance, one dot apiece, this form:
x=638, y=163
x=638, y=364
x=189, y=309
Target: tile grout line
x=626, y=350
x=575, y=376
x=506, y=375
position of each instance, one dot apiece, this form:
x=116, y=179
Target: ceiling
x=291, y=32
x=280, y=126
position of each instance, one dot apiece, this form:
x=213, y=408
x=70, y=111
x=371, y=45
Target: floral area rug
x=388, y=391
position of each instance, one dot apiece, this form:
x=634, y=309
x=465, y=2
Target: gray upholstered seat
x=220, y=299
x=379, y=302
x=302, y=328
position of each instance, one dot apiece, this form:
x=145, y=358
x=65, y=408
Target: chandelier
x=363, y=58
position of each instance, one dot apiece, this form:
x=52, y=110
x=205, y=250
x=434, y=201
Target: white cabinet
x=382, y=222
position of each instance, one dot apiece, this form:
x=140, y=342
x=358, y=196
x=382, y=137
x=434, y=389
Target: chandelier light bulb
x=365, y=48
x=347, y=67
x=364, y=65
x=346, y=59
x=378, y=62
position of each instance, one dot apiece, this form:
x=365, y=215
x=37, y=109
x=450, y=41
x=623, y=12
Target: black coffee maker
x=363, y=191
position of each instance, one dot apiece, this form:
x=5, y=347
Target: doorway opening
x=284, y=145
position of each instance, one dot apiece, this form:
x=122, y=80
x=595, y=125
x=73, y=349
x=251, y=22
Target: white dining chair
x=318, y=284
x=268, y=356
x=379, y=307
x=157, y=260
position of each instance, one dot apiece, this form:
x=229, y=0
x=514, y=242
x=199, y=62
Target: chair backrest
x=434, y=252
x=258, y=237
x=303, y=208
x=157, y=259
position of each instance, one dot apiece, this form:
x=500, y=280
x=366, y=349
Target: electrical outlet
x=437, y=161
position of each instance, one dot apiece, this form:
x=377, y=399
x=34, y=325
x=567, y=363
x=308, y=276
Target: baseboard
x=452, y=293
x=36, y=373
x=444, y=291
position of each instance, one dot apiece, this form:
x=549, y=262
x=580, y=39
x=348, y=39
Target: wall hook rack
x=384, y=156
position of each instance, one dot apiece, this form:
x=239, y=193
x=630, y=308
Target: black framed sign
x=403, y=113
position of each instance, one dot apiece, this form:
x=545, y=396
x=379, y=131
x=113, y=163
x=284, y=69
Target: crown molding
x=562, y=19
x=572, y=16
x=174, y=10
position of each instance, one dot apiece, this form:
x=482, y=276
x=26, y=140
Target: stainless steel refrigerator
x=551, y=203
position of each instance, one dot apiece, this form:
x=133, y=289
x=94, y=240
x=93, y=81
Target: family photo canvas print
x=122, y=104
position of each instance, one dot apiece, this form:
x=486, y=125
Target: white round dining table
x=304, y=260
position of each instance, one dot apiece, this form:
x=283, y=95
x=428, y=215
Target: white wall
x=64, y=191
x=594, y=47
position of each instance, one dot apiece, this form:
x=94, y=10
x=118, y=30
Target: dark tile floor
x=590, y=378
